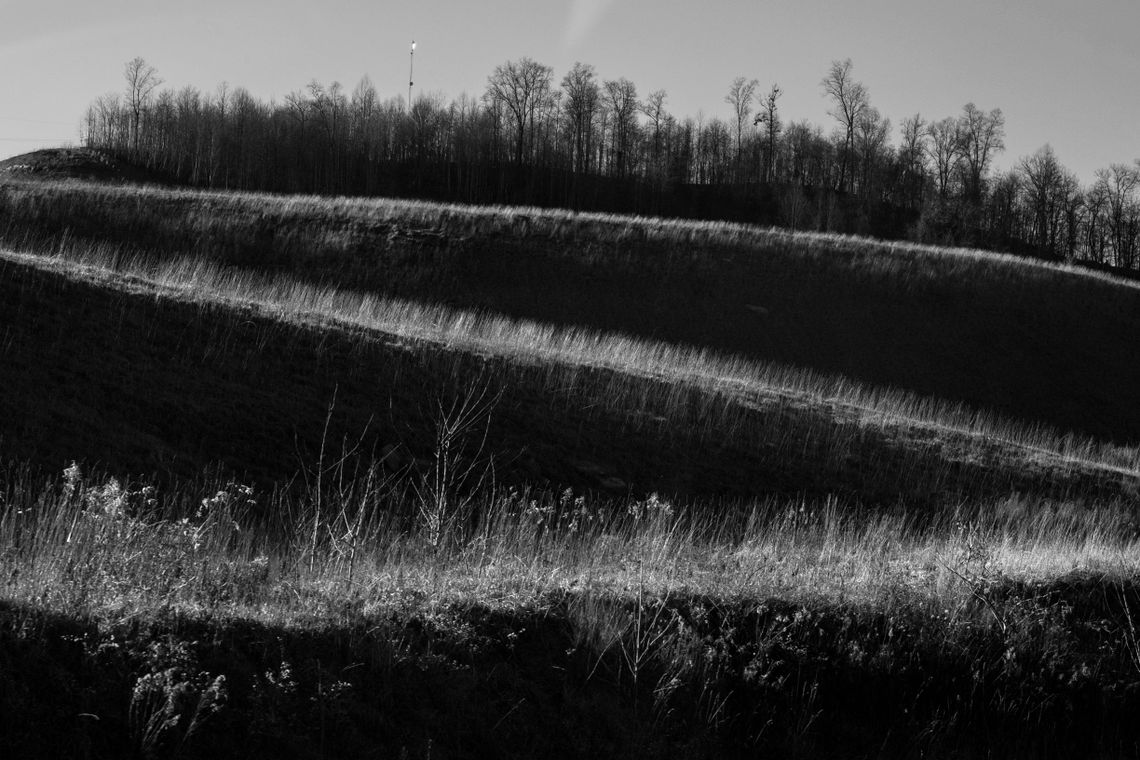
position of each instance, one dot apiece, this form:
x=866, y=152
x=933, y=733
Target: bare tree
x=1004, y=215
x=945, y=150
x=740, y=96
x=851, y=99
x=982, y=136
x=1072, y=211
x=363, y=106
x=104, y=122
x=1118, y=184
x=654, y=110
x=872, y=134
x=769, y=116
x=1044, y=181
x=581, y=98
x=912, y=150
x=912, y=158
x=621, y=99
x=520, y=86
x=1097, y=227
x=142, y=80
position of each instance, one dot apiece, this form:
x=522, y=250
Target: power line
x=36, y=139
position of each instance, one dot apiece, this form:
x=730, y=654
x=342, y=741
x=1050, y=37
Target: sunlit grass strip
x=214, y=209
x=567, y=350
x=621, y=591
x=79, y=549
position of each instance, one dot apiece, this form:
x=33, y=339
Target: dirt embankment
x=75, y=163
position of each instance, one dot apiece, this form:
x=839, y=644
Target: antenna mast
x=411, y=68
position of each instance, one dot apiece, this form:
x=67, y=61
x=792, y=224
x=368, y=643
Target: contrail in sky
x=584, y=16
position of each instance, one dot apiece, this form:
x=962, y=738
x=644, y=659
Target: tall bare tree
x=872, y=134
x=982, y=136
x=850, y=100
x=1043, y=178
x=582, y=95
x=654, y=110
x=945, y=150
x=1119, y=184
x=621, y=100
x=142, y=80
x=740, y=96
x=769, y=116
x=520, y=86
x=912, y=158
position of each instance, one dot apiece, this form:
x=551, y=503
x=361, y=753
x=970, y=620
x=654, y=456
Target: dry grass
x=967, y=617
x=672, y=613
x=567, y=352
x=907, y=263
x=1043, y=342
x=100, y=549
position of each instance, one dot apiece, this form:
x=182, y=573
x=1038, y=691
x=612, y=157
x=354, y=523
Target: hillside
x=1044, y=344
x=55, y=164
x=163, y=373
x=366, y=477
x=894, y=556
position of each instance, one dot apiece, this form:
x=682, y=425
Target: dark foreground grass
x=554, y=628
x=1043, y=343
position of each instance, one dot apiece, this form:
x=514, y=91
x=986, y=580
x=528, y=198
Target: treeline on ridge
x=588, y=143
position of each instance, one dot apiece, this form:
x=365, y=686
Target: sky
x=1064, y=72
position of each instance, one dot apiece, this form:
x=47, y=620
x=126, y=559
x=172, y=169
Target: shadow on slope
x=113, y=373
x=1040, y=344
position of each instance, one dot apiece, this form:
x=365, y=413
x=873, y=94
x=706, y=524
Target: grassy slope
x=812, y=633
x=162, y=379
x=634, y=634
x=1040, y=343
x=73, y=163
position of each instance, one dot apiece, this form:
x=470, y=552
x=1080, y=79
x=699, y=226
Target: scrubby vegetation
x=342, y=493
x=562, y=627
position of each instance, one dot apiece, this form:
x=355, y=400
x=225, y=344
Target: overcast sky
x=1066, y=72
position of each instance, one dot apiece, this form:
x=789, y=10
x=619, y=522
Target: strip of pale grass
x=568, y=352
x=78, y=549
x=208, y=209
x=801, y=596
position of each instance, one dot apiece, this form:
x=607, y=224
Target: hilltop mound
x=74, y=163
